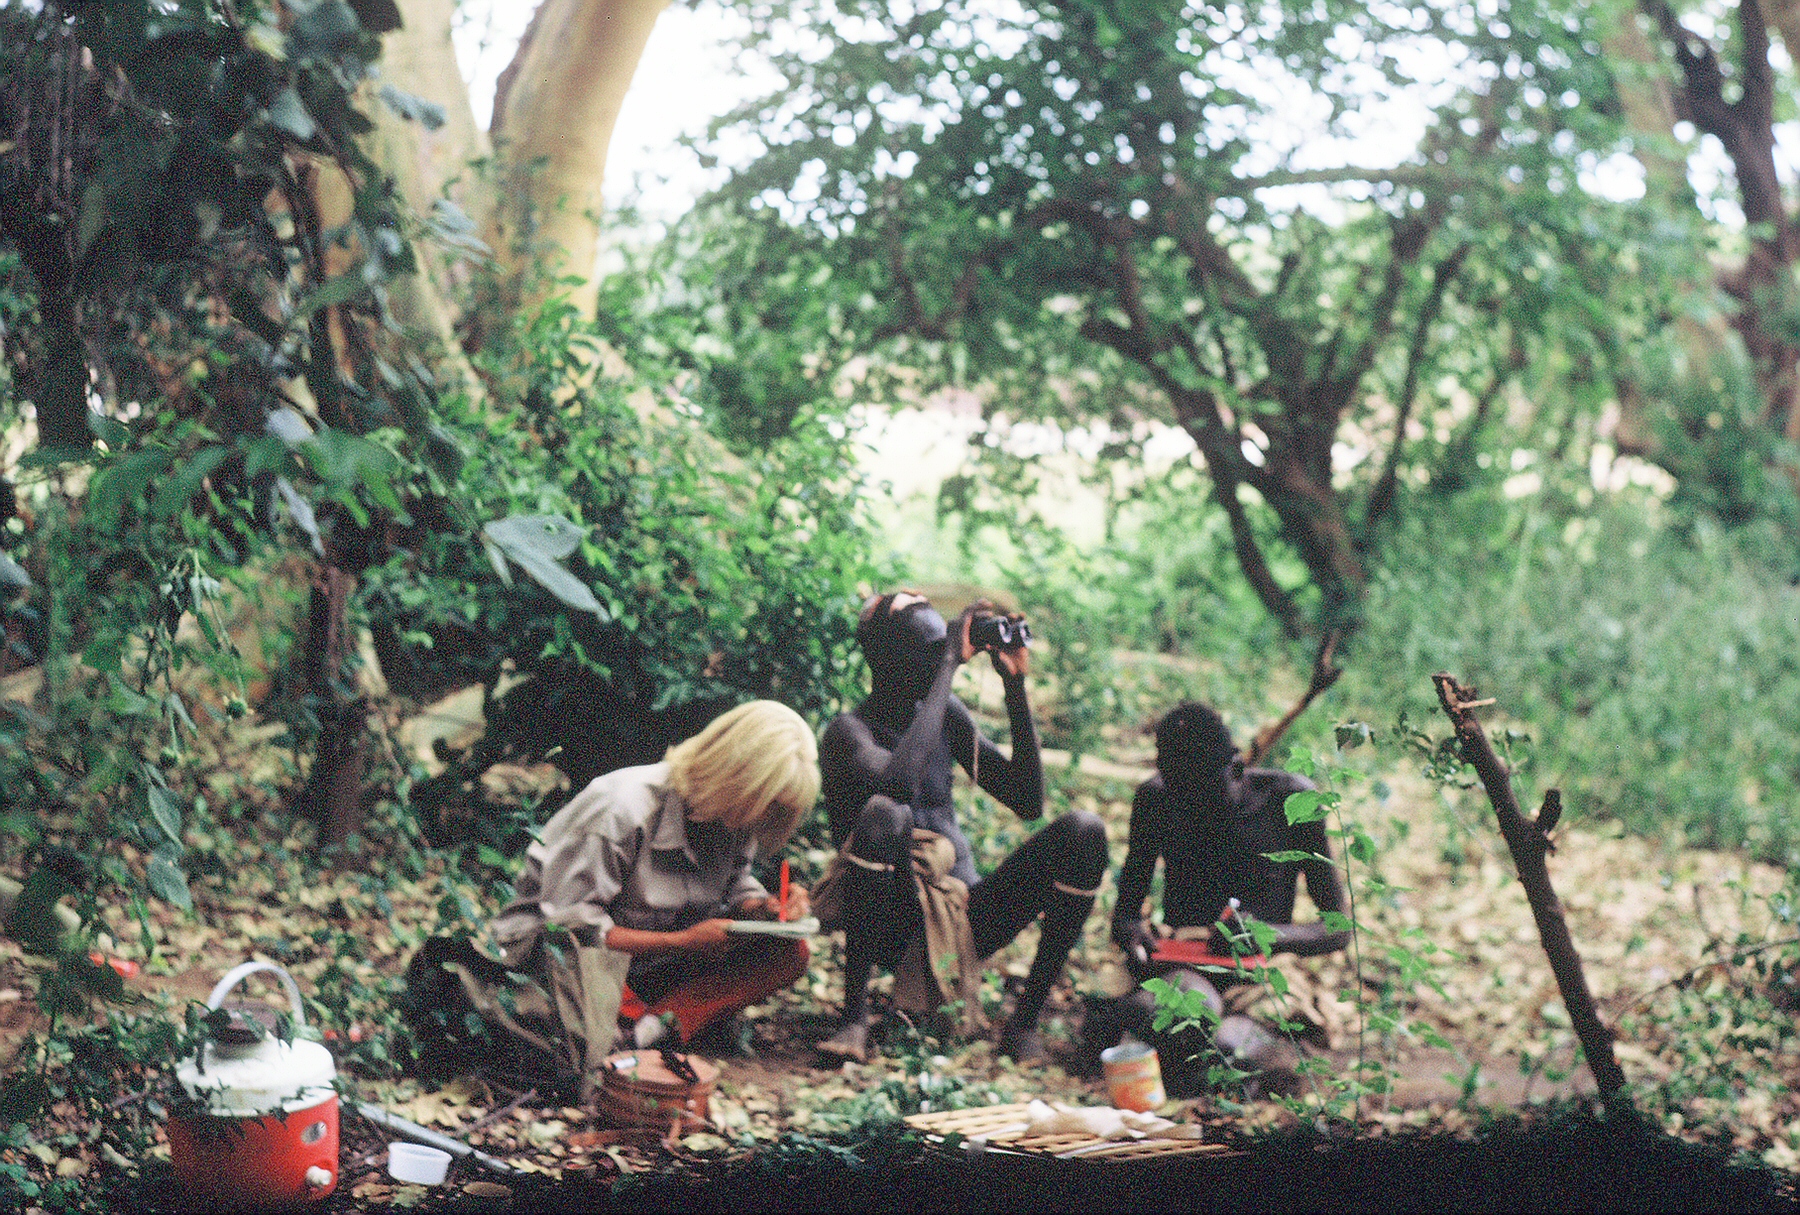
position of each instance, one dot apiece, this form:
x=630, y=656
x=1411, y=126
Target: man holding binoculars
x=907, y=894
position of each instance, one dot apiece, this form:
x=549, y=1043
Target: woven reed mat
x=1004, y=1128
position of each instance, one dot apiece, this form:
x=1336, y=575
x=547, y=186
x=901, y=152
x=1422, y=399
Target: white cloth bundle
x=1101, y=1121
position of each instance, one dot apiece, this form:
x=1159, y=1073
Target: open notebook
x=808, y=927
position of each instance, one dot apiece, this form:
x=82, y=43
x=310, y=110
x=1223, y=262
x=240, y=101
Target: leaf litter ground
x=1646, y=917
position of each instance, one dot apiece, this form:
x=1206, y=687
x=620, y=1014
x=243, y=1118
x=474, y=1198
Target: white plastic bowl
x=418, y=1164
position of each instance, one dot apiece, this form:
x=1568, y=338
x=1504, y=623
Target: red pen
x=781, y=914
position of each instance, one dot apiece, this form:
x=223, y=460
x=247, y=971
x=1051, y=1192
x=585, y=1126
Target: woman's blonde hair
x=755, y=770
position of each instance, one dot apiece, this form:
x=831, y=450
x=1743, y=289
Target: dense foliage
x=693, y=578
x=1102, y=214
x=1401, y=389
x=247, y=449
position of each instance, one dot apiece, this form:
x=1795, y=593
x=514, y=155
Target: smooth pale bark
x=554, y=113
x=418, y=58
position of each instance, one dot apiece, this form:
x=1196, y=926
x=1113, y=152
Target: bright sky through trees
x=688, y=76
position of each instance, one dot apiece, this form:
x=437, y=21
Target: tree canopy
x=1101, y=213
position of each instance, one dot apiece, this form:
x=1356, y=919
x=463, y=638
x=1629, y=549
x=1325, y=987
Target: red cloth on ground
x=701, y=1001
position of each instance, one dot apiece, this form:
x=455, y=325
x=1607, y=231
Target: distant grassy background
x=1653, y=656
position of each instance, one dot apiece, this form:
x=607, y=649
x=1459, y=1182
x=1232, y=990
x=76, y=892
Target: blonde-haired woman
x=642, y=873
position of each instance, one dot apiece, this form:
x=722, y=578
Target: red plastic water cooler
x=268, y=1135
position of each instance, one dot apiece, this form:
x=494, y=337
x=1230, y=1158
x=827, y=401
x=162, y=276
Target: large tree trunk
x=426, y=165
x=554, y=112
x=334, y=786
x=1647, y=101
x=1744, y=124
x=420, y=59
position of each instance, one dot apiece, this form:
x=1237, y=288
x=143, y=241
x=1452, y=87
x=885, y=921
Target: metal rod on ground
x=412, y=1130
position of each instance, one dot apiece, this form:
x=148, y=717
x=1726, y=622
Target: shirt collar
x=670, y=832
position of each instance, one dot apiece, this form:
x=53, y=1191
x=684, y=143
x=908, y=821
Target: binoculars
x=998, y=633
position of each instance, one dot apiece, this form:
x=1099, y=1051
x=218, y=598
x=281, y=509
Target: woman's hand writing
x=799, y=906
x=708, y=936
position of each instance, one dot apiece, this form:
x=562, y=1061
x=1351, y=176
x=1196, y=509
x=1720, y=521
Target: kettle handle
x=239, y=973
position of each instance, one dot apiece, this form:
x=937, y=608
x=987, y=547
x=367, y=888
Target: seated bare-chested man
x=887, y=769
x=1214, y=823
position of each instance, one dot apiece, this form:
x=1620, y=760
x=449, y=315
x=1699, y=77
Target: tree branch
x=1185, y=215
x=1275, y=599
x=914, y=319
x=937, y=328
x=1528, y=842
x=1401, y=177
x=1324, y=673
x=1408, y=241
x=1757, y=105
x=1381, y=498
x=1702, y=96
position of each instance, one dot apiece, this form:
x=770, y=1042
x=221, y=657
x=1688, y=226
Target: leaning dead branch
x=1324, y=674
x=1529, y=842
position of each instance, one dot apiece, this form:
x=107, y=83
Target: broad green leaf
x=109, y=430
x=166, y=810
x=176, y=492
x=346, y=461
x=119, y=483
x=1337, y=921
x=288, y=113
x=377, y=16
x=535, y=543
x=326, y=28
x=449, y=225
x=167, y=880
x=340, y=290
x=90, y=977
x=91, y=219
x=24, y=826
x=550, y=535
x=428, y=114
x=36, y=921
x=497, y=559
x=301, y=511
x=288, y=425
x=128, y=703
x=1304, y=806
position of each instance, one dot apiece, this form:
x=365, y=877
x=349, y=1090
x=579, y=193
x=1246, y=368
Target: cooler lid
x=268, y=1076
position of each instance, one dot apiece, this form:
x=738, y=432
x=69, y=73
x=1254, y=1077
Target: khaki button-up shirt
x=623, y=852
